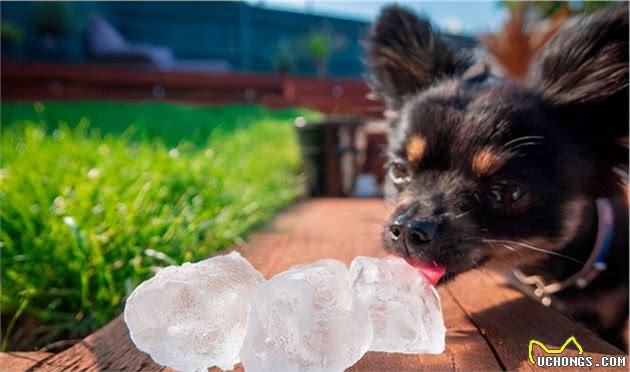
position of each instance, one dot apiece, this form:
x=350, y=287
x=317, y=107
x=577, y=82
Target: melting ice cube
x=405, y=308
x=194, y=316
x=306, y=319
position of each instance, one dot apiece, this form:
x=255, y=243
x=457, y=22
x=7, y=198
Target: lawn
x=96, y=196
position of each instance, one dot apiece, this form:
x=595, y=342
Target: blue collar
x=606, y=226
x=596, y=263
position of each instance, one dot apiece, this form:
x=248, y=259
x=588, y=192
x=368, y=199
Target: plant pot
x=328, y=154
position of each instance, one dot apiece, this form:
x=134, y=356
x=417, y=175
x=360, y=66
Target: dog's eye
x=399, y=173
x=505, y=193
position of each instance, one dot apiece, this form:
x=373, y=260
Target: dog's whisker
x=462, y=214
x=517, y=150
x=491, y=243
x=509, y=247
x=523, y=138
x=521, y=145
x=520, y=244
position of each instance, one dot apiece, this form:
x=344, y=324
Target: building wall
x=249, y=38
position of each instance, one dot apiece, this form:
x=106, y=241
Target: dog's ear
x=586, y=61
x=404, y=56
x=583, y=73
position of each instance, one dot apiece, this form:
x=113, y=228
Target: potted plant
x=320, y=45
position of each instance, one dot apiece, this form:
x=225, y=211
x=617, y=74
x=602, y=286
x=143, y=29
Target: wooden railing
x=47, y=81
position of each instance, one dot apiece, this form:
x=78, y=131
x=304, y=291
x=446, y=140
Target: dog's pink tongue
x=431, y=272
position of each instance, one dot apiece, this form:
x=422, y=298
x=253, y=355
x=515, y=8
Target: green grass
x=95, y=196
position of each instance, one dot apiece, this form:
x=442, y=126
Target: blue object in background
x=243, y=36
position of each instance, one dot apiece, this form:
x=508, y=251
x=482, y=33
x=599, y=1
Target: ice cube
x=405, y=309
x=306, y=319
x=194, y=316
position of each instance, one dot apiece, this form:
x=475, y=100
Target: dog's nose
x=419, y=233
x=413, y=234
x=396, y=231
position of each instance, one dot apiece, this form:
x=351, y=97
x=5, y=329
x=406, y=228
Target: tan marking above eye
x=487, y=161
x=415, y=149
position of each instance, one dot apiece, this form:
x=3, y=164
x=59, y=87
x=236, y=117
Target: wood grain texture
x=109, y=349
x=484, y=318
x=508, y=321
x=21, y=361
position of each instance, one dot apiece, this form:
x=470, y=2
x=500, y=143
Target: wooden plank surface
x=508, y=320
x=489, y=325
x=21, y=361
x=109, y=349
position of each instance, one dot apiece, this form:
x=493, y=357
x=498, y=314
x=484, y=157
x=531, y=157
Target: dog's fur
x=504, y=166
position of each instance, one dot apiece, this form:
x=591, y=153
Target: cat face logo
x=552, y=351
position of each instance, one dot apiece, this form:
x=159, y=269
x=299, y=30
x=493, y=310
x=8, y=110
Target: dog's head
x=483, y=167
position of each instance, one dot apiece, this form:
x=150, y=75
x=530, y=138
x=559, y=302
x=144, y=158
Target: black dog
x=530, y=174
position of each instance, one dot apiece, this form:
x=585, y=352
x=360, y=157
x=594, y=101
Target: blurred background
x=137, y=135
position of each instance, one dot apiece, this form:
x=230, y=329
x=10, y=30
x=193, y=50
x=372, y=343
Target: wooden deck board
x=508, y=320
x=484, y=318
x=21, y=361
x=109, y=349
